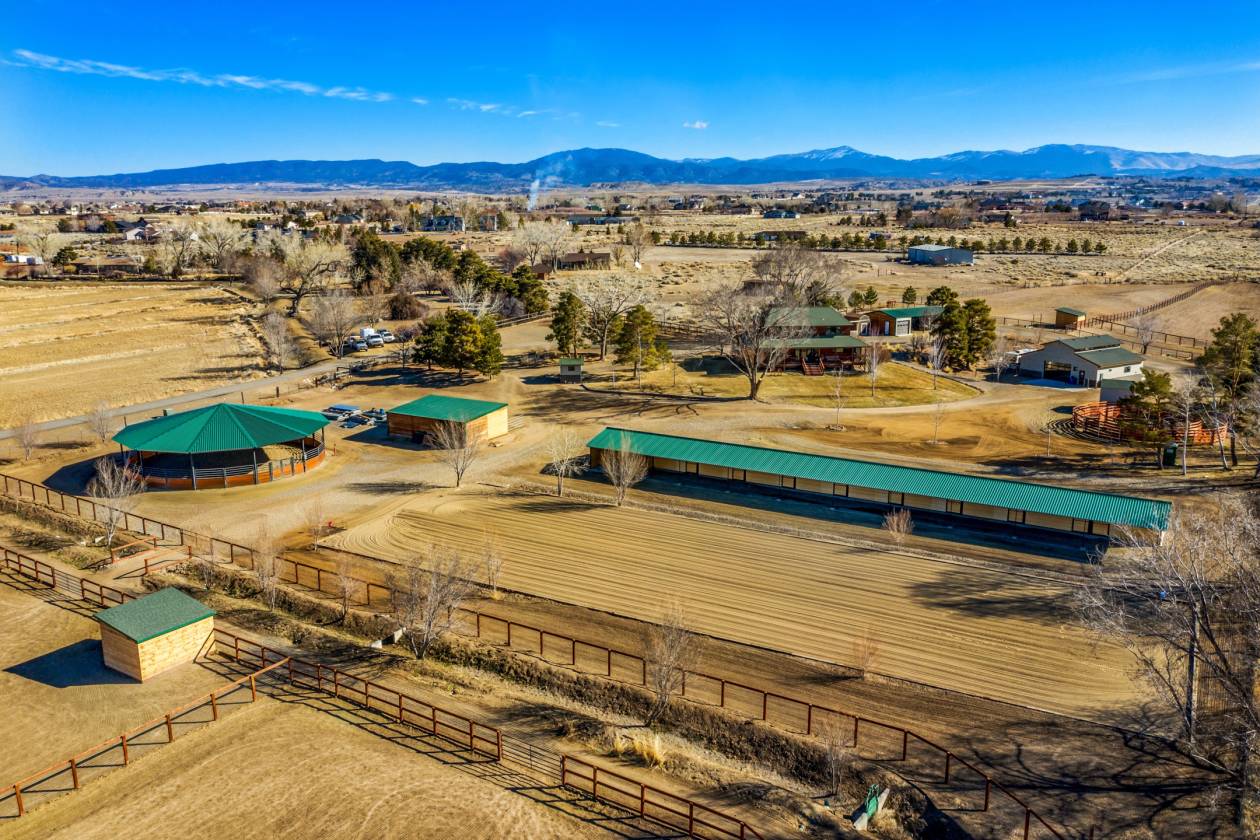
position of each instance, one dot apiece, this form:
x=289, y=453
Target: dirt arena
x=281, y=769
x=1000, y=635
x=58, y=696
x=67, y=346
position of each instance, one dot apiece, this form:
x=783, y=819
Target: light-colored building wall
x=145, y=660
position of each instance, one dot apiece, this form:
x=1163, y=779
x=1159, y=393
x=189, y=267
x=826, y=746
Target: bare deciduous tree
x=798, y=276
x=866, y=650
x=671, y=649
x=752, y=330
x=606, y=298
x=898, y=524
x=637, y=241
x=1186, y=395
x=471, y=297
x=836, y=755
x=99, y=421
x=333, y=318
x=26, y=435
x=220, y=239
x=308, y=266
x=457, y=447
x=115, y=488
x=1146, y=326
x=541, y=239
x=1186, y=608
x=936, y=355
x=563, y=449
x=492, y=563
x=425, y=601
x=178, y=247
x=347, y=585
x=999, y=358
x=266, y=559
x=837, y=393
x=623, y=468
x=313, y=517
x=876, y=355
x=275, y=330
x=937, y=412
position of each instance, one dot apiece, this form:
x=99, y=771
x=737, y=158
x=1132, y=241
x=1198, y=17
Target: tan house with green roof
x=149, y=635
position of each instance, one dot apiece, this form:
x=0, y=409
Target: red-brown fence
x=1113, y=318
x=650, y=802
x=477, y=737
x=125, y=743
x=1106, y=419
x=54, y=578
x=775, y=709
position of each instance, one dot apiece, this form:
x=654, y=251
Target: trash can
x=1170, y=455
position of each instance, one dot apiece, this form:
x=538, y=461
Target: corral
x=1005, y=635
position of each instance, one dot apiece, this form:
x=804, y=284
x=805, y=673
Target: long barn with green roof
x=981, y=497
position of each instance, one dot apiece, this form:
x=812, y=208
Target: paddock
x=978, y=497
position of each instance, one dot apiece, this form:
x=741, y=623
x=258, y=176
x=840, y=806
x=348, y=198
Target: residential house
x=443, y=224
x=780, y=214
x=902, y=320
x=820, y=338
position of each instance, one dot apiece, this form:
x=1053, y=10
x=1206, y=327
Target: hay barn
x=811, y=476
x=1068, y=318
x=418, y=418
x=223, y=445
x=144, y=637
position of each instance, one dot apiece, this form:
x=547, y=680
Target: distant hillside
x=583, y=167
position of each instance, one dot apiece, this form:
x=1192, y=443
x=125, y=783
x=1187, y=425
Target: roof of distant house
x=912, y=311
x=154, y=615
x=809, y=316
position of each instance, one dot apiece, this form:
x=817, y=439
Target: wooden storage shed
x=810, y=476
x=144, y=637
x=1067, y=318
x=571, y=370
x=481, y=418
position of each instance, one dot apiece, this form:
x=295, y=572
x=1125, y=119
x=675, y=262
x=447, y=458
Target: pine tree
x=567, y=321
x=488, y=360
x=909, y=296
x=635, y=342
x=871, y=297
x=942, y=296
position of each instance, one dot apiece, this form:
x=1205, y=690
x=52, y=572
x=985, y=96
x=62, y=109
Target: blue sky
x=100, y=88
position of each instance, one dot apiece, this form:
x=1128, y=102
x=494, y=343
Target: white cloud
x=699, y=125
x=419, y=100
x=607, y=124
x=1188, y=71
x=89, y=67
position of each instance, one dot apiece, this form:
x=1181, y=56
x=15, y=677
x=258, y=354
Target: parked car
x=387, y=337
x=375, y=414
x=340, y=411
x=375, y=341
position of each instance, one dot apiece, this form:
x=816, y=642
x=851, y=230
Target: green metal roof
x=155, y=614
x=1067, y=310
x=1110, y=357
x=1090, y=342
x=221, y=427
x=441, y=407
x=820, y=342
x=912, y=311
x=1017, y=495
x=808, y=316
x=571, y=361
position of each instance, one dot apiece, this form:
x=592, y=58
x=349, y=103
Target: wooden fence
x=1115, y=317
x=773, y=708
x=104, y=755
x=487, y=741
x=1107, y=420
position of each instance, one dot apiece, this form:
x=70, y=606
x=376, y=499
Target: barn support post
x=192, y=470
x=253, y=455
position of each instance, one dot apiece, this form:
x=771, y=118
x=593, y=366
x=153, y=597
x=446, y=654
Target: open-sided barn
x=981, y=497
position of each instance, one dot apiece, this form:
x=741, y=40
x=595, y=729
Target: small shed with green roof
x=571, y=369
x=419, y=418
x=1067, y=318
x=146, y=636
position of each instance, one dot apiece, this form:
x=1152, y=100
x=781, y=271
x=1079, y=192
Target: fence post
x=905, y=742
x=74, y=773
x=809, y=719
x=765, y=707
x=498, y=744
x=400, y=708
x=856, y=719
x=17, y=793
x=170, y=730
x=691, y=819
x=214, y=706
x=253, y=689
x=122, y=739
x=1027, y=821
x=609, y=662
x=988, y=785
x=948, y=758
x=433, y=719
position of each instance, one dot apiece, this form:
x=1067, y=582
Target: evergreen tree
x=981, y=330
x=635, y=341
x=871, y=297
x=430, y=341
x=942, y=296
x=568, y=319
x=1231, y=362
x=489, y=357
x=461, y=345
x=951, y=328
x=1072, y=247
x=909, y=296
x=855, y=299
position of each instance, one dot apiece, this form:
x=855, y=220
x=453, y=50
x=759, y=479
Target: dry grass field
x=1000, y=635
x=58, y=697
x=64, y=347
x=281, y=769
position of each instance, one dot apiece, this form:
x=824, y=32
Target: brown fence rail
x=101, y=756
x=771, y=707
x=651, y=803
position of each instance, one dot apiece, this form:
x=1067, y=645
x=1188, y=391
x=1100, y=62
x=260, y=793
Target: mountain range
x=586, y=167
